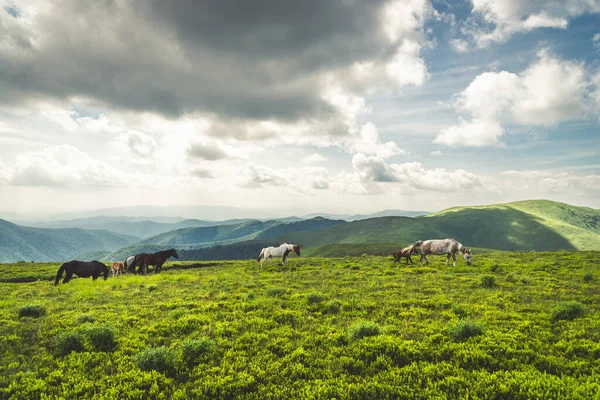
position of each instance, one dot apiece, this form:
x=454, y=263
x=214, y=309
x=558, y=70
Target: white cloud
x=65, y=166
x=548, y=92
x=314, y=159
x=412, y=174
x=474, y=133
x=137, y=147
x=436, y=153
x=459, y=45
x=368, y=141
x=498, y=20
x=547, y=183
x=292, y=180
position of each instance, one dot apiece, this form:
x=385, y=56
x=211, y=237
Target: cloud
x=138, y=147
x=270, y=61
x=412, y=174
x=548, y=92
x=367, y=140
x=436, y=153
x=498, y=20
x=64, y=166
x=314, y=159
x=545, y=183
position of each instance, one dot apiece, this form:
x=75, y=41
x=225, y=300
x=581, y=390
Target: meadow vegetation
x=513, y=325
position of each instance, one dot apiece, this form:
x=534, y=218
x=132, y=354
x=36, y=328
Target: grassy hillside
x=511, y=326
x=39, y=244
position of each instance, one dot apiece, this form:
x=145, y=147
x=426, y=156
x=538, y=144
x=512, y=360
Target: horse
x=157, y=259
x=82, y=269
x=405, y=252
x=443, y=246
x=118, y=268
x=128, y=264
x=282, y=251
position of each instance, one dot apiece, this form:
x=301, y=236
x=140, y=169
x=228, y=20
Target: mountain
x=538, y=225
x=187, y=240
x=39, y=244
x=356, y=217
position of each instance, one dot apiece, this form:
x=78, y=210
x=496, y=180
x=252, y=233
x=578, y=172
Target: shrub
x=194, y=351
x=315, y=298
x=83, y=318
x=102, y=337
x=363, y=329
x=459, y=311
x=32, y=310
x=496, y=268
x=487, y=280
x=276, y=291
x=67, y=342
x=152, y=287
x=588, y=277
x=333, y=307
x=157, y=359
x=567, y=311
x=464, y=329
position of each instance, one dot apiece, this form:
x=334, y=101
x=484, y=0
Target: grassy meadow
x=513, y=325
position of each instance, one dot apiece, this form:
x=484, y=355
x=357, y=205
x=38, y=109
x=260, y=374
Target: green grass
x=346, y=328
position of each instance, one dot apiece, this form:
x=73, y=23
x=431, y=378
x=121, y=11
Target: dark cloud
x=206, y=152
x=238, y=60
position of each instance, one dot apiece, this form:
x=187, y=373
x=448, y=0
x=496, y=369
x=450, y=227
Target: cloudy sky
x=334, y=106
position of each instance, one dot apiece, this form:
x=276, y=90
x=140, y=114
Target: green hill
x=39, y=244
x=538, y=225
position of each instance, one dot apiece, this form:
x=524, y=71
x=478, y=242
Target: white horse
x=282, y=251
x=443, y=246
x=128, y=263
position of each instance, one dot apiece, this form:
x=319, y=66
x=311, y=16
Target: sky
x=344, y=106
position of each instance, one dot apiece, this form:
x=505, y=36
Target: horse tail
x=260, y=256
x=59, y=274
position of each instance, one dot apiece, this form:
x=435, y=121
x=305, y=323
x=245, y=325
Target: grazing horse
x=282, y=251
x=82, y=269
x=405, y=252
x=157, y=259
x=443, y=246
x=128, y=264
x=118, y=268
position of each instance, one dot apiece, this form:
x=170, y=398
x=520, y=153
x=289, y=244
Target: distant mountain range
x=526, y=225
x=39, y=244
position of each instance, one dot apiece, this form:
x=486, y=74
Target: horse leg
x=95, y=276
x=68, y=277
x=409, y=258
x=447, y=259
x=454, y=258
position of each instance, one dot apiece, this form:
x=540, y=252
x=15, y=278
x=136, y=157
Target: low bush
x=487, y=281
x=459, y=311
x=315, y=298
x=276, y=291
x=363, y=329
x=102, y=337
x=32, y=310
x=464, y=330
x=83, y=318
x=567, y=311
x=195, y=351
x=68, y=342
x=333, y=306
x=154, y=359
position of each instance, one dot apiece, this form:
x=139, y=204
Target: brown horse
x=118, y=268
x=405, y=252
x=82, y=269
x=157, y=259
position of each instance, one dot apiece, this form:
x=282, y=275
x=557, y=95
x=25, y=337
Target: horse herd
x=84, y=269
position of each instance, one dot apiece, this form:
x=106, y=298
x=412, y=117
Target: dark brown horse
x=82, y=269
x=157, y=259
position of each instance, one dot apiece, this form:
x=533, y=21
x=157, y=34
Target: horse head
x=296, y=249
x=467, y=255
x=174, y=253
